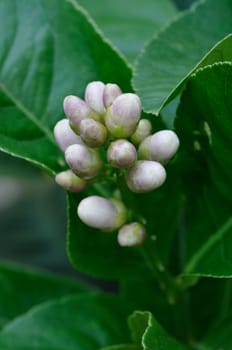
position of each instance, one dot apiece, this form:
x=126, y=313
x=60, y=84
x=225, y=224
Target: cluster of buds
x=109, y=121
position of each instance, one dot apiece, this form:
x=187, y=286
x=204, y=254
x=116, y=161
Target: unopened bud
x=160, y=146
x=121, y=154
x=64, y=135
x=111, y=92
x=123, y=115
x=76, y=110
x=143, y=130
x=84, y=162
x=104, y=214
x=145, y=176
x=70, y=182
x=93, y=133
x=94, y=96
x=131, y=235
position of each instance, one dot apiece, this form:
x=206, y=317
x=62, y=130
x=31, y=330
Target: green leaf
x=177, y=51
x=219, y=337
x=129, y=25
x=123, y=347
x=138, y=323
x=214, y=258
x=76, y=322
x=146, y=330
x=203, y=124
x=17, y=167
x=20, y=137
x=48, y=49
x=210, y=92
x=22, y=288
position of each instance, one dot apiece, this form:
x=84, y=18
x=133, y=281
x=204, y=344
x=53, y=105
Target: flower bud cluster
x=108, y=120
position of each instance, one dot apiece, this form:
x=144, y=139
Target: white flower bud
x=123, y=115
x=104, y=214
x=94, y=96
x=76, y=110
x=84, y=162
x=131, y=235
x=70, y=182
x=143, y=130
x=121, y=154
x=145, y=176
x=93, y=133
x=160, y=146
x=64, y=135
x=111, y=92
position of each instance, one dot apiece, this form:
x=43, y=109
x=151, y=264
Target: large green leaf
x=129, y=25
x=123, y=347
x=219, y=337
x=179, y=49
x=21, y=137
x=22, y=288
x=48, y=49
x=204, y=124
x=214, y=258
x=148, y=332
x=76, y=322
x=17, y=167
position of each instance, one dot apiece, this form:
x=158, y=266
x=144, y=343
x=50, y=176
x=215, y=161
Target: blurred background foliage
x=33, y=214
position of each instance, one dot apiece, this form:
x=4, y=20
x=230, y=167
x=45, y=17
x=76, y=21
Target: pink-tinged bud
x=131, y=235
x=160, y=146
x=121, y=154
x=94, y=96
x=93, y=133
x=85, y=162
x=104, y=214
x=123, y=115
x=76, y=110
x=143, y=130
x=111, y=92
x=64, y=135
x=70, y=182
x=145, y=176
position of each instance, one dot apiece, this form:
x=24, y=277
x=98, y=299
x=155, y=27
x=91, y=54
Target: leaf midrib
x=28, y=113
x=206, y=246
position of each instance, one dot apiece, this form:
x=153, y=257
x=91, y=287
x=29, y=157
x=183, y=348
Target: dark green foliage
x=180, y=278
